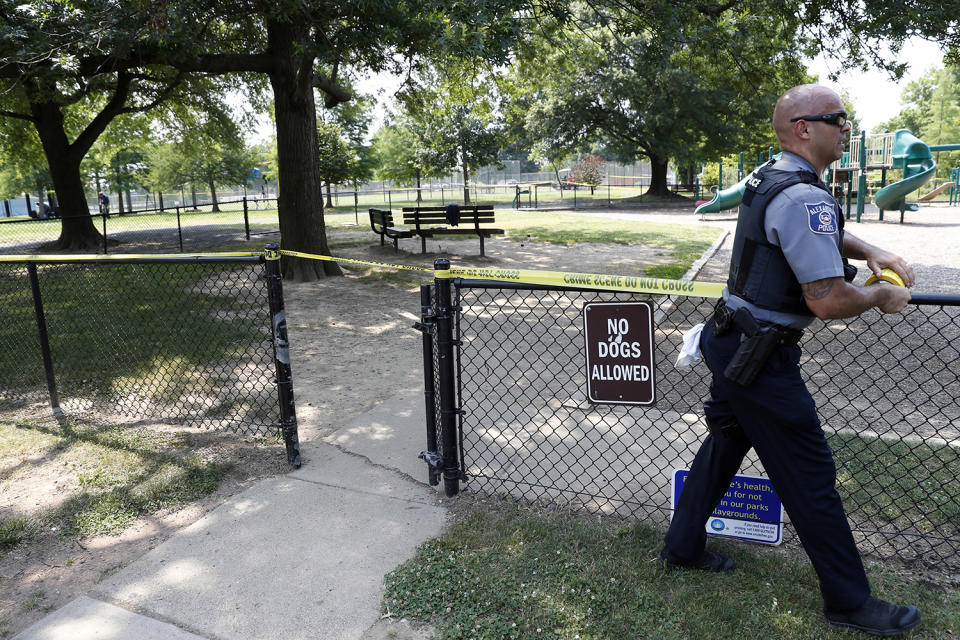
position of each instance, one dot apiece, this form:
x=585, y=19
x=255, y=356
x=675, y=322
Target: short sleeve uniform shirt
x=803, y=220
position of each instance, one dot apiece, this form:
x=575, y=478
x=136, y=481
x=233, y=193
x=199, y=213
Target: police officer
x=788, y=266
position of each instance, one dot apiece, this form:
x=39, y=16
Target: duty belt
x=757, y=345
x=743, y=321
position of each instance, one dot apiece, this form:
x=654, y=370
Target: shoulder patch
x=822, y=217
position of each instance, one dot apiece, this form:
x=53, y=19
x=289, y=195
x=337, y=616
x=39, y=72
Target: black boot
x=876, y=617
x=708, y=561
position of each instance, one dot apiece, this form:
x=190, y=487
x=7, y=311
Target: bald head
x=819, y=142
x=802, y=100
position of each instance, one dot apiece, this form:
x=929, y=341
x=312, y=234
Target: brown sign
x=619, y=338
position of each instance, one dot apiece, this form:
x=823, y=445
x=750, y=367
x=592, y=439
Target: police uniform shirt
x=803, y=220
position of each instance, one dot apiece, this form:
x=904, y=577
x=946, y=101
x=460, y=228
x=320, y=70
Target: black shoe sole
x=843, y=626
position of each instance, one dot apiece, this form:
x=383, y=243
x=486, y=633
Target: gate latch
x=432, y=458
x=427, y=327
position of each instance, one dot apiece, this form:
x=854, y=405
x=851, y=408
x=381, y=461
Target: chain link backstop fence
x=197, y=341
x=519, y=422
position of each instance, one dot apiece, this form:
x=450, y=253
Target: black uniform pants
x=779, y=419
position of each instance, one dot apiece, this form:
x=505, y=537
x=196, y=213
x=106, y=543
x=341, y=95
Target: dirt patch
x=48, y=569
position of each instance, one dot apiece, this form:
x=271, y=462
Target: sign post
x=619, y=352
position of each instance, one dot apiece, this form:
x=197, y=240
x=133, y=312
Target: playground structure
x=847, y=177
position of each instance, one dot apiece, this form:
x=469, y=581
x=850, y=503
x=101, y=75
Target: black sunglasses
x=838, y=118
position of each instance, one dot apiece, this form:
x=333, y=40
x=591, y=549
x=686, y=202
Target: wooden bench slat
x=432, y=221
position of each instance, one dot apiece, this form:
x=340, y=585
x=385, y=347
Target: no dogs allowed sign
x=619, y=337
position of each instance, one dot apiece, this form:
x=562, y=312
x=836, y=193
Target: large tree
x=302, y=44
x=672, y=84
x=65, y=68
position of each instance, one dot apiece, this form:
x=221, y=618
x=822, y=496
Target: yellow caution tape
x=314, y=256
x=603, y=282
x=632, y=284
x=887, y=275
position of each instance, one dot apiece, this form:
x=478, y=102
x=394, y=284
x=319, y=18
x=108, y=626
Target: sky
x=875, y=97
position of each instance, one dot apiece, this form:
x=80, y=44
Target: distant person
x=104, y=201
x=788, y=267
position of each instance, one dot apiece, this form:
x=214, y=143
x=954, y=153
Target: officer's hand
x=892, y=298
x=881, y=259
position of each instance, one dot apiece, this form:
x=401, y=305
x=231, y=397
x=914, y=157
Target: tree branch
x=335, y=94
x=89, y=135
x=160, y=97
x=19, y=116
x=716, y=10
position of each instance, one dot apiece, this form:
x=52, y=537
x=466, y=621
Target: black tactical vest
x=759, y=272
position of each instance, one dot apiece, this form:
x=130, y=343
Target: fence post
x=44, y=338
x=104, y=216
x=445, y=358
x=281, y=355
x=246, y=217
x=180, y=230
x=428, y=327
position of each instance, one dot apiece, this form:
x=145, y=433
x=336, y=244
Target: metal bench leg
x=481, y=245
x=423, y=244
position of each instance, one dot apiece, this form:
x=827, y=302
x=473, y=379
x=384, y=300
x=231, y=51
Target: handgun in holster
x=755, y=349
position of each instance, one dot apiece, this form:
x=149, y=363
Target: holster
x=756, y=347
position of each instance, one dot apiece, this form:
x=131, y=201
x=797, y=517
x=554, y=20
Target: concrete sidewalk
x=296, y=556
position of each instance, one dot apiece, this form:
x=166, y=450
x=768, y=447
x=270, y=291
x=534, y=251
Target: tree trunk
x=300, y=208
x=160, y=200
x=466, y=179
x=129, y=202
x=329, y=197
x=193, y=191
x=658, y=177
x=419, y=196
x=77, y=232
x=213, y=195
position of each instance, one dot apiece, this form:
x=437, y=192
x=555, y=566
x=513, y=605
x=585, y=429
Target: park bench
x=428, y=222
x=381, y=221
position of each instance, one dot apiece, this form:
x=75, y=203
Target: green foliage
x=339, y=162
x=669, y=84
x=453, y=109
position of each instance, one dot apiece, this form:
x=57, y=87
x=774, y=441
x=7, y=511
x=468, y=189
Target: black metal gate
x=508, y=414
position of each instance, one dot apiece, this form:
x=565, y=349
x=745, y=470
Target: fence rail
x=197, y=341
x=151, y=230
x=519, y=421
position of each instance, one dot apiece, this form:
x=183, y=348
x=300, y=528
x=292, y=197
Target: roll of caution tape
x=887, y=275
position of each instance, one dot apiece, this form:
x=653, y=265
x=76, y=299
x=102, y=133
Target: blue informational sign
x=750, y=510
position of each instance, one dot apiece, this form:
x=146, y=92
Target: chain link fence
x=185, y=341
x=151, y=231
x=519, y=422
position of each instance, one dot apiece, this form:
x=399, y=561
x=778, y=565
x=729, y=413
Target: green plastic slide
x=914, y=158
x=728, y=198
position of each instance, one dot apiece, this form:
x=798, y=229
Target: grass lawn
x=97, y=478
x=168, y=324
x=507, y=571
